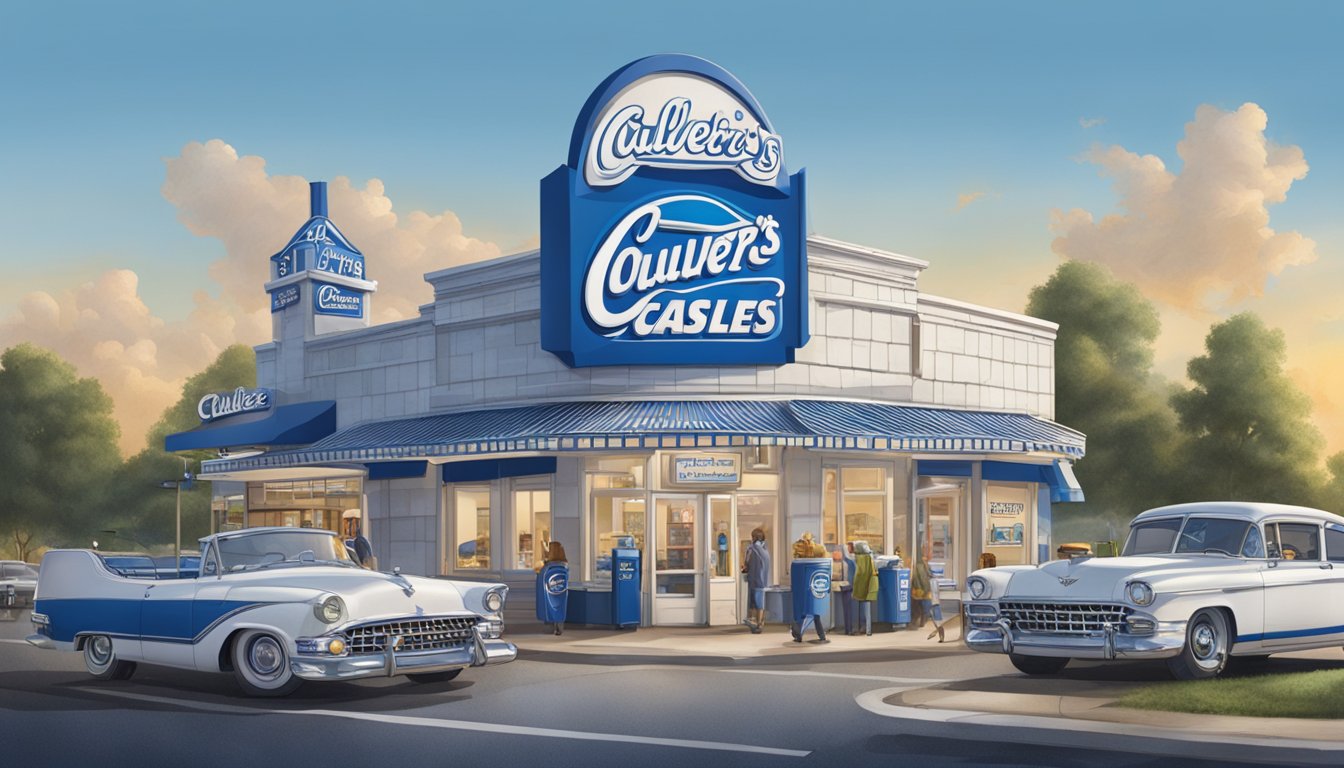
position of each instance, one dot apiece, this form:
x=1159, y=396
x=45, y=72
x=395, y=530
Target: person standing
x=865, y=583
x=757, y=569
x=924, y=588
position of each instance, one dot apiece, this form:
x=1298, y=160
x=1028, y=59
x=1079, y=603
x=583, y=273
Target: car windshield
x=1212, y=534
x=1155, y=538
x=297, y=547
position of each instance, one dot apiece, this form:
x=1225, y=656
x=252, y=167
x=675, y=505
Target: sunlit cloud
x=1091, y=122
x=967, y=198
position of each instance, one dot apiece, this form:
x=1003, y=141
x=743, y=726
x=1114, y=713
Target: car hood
x=1104, y=578
x=367, y=594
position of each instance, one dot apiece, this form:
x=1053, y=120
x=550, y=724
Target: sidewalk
x=728, y=642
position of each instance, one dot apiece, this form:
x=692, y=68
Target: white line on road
x=808, y=673
x=466, y=725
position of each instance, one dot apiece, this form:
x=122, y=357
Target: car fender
x=286, y=620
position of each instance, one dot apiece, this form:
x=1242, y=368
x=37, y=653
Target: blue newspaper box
x=893, y=595
x=553, y=593
x=625, y=587
x=810, y=582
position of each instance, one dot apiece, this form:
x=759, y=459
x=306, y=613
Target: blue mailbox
x=810, y=582
x=893, y=594
x=625, y=587
x=553, y=593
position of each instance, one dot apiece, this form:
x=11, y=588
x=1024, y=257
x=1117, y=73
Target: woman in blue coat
x=757, y=568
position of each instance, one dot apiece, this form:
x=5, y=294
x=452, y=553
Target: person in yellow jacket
x=865, y=583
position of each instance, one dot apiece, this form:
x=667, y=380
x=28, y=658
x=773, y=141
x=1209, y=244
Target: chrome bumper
x=389, y=663
x=1167, y=639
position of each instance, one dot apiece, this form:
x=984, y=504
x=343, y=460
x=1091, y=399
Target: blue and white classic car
x=1197, y=585
x=274, y=606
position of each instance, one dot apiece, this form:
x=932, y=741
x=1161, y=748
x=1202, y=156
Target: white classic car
x=1195, y=584
x=274, y=606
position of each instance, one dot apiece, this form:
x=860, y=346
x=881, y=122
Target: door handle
x=1327, y=566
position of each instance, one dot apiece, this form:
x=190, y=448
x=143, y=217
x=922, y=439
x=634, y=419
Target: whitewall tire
x=1207, y=643
x=261, y=664
x=100, y=659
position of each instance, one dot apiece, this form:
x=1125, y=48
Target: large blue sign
x=329, y=299
x=674, y=235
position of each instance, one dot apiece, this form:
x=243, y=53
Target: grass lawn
x=1302, y=694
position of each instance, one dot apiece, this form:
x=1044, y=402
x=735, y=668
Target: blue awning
x=602, y=426
x=283, y=425
x=1058, y=475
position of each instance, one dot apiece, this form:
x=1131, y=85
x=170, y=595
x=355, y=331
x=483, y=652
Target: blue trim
x=1291, y=633
x=396, y=470
x=943, y=468
x=493, y=469
x=168, y=621
x=296, y=424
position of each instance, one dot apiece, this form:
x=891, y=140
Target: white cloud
x=967, y=198
x=1200, y=237
x=1091, y=122
x=106, y=329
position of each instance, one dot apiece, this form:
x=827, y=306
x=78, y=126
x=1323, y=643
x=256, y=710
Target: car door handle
x=1327, y=566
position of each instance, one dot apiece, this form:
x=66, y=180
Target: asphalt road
x=550, y=710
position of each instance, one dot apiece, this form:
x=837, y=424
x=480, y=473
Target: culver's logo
x=557, y=583
x=685, y=266
x=331, y=299
x=821, y=584
x=240, y=400
x=702, y=126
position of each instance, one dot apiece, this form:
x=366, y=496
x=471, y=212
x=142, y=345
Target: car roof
x=1242, y=510
x=269, y=529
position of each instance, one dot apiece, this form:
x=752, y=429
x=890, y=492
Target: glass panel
x=676, y=584
x=863, y=519
x=1203, y=534
x=607, y=473
x=1005, y=523
x=721, y=535
x=541, y=521
x=936, y=543
x=1255, y=546
x=830, y=510
x=532, y=525
x=1334, y=543
x=759, y=481
x=675, y=519
x=472, y=510
x=865, y=479
x=615, y=518
x=1153, y=538
x=758, y=511
x=1299, y=541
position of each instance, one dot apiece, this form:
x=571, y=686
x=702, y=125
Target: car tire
x=100, y=659
x=1039, y=665
x=435, y=677
x=1207, y=642
x=261, y=665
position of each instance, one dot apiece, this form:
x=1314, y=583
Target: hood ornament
x=402, y=581
x=1065, y=581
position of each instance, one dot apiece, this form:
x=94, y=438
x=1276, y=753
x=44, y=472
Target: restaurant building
x=677, y=364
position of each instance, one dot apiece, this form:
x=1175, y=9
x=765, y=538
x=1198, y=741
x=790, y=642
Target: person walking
x=865, y=583
x=757, y=569
x=924, y=588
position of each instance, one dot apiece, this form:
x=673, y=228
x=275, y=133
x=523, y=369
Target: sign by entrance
x=706, y=469
x=674, y=235
x=241, y=400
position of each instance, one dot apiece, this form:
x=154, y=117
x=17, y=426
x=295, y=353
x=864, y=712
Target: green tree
x=1249, y=427
x=1332, y=494
x=1105, y=388
x=58, y=451
x=149, y=514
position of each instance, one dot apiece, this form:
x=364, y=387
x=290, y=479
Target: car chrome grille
x=421, y=634
x=1064, y=618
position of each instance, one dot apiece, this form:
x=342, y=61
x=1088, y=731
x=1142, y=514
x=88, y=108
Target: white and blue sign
x=241, y=400
x=820, y=584
x=330, y=299
x=674, y=235
x=283, y=297
x=319, y=247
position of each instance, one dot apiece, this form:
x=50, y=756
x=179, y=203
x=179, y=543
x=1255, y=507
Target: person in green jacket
x=865, y=583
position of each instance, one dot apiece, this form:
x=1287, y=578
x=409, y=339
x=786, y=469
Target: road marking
x=808, y=673
x=464, y=725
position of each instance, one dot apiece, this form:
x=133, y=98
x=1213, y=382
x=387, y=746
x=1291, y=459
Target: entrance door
x=757, y=510
x=723, y=564
x=676, y=539
x=936, y=537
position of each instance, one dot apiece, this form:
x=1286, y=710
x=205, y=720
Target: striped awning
x=619, y=425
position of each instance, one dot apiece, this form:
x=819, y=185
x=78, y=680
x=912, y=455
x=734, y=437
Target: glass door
x=678, y=528
x=936, y=537
x=722, y=563
x=757, y=510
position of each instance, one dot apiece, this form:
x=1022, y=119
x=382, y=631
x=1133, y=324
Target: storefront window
x=721, y=535
x=618, y=520
x=759, y=510
x=532, y=525
x=855, y=508
x=609, y=473
x=830, y=509
x=472, y=512
x=1005, y=523
x=229, y=512
x=300, y=503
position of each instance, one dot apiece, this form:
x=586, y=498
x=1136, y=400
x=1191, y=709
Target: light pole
x=185, y=479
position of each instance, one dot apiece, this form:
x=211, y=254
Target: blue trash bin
x=810, y=583
x=553, y=593
x=893, y=594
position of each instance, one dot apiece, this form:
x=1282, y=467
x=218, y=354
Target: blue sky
x=895, y=109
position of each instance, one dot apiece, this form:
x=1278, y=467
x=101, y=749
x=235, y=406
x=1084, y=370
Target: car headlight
x=978, y=587
x=329, y=611
x=1140, y=593
x=494, y=601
